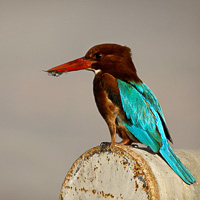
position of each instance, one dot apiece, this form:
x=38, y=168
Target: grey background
x=47, y=122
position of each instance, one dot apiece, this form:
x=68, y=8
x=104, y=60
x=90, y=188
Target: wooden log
x=129, y=173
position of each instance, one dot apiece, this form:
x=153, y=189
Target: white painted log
x=129, y=173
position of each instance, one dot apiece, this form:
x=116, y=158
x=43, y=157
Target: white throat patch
x=96, y=71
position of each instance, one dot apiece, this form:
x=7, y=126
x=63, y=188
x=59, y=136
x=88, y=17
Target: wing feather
x=139, y=110
x=149, y=96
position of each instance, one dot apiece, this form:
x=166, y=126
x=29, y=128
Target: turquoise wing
x=142, y=114
x=148, y=124
x=151, y=98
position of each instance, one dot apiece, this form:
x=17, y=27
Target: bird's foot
x=105, y=144
x=126, y=142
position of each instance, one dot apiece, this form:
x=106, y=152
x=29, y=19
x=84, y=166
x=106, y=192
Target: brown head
x=108, y=58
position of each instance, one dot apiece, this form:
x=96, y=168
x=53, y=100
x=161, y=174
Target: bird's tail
x=176, y=165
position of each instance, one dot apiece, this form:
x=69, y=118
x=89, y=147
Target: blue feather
x=148, y=123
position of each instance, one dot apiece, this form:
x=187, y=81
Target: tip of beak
x=50, y=73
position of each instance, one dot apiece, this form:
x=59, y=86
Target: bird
x=127, y=104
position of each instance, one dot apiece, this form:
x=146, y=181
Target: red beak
x=78, y=64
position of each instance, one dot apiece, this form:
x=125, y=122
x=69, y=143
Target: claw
x=105, y=143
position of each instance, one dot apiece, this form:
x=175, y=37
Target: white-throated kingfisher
x=128, y=106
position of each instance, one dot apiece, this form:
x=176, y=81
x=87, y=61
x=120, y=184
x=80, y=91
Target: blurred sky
x=47, y=122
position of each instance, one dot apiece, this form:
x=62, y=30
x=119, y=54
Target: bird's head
x=107, y=58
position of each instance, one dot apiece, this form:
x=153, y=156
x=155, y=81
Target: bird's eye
x=98, y=55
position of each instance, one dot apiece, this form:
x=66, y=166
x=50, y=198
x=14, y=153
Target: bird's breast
x=107, y=96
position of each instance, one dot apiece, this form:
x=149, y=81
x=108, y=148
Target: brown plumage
x=114, y=60
x=128, y=106
x=107, y=97
x=109, y=62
